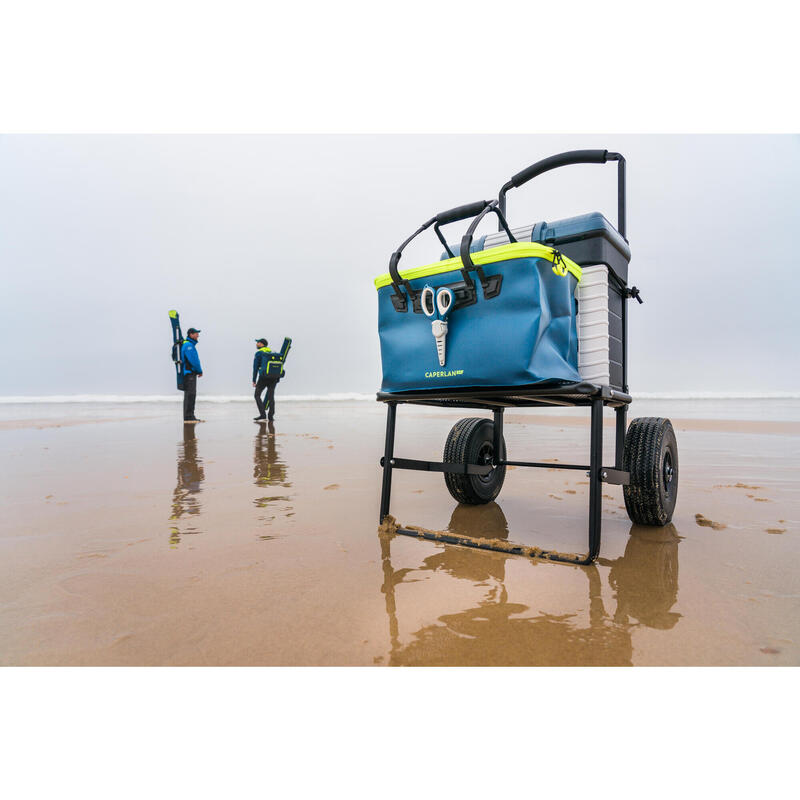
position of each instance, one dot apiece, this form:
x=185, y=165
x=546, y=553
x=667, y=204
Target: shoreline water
x=343, y=396
x=773, y=409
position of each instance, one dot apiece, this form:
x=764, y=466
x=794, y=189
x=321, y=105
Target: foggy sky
x=270, y=236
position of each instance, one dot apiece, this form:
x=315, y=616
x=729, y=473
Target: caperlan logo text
x=448, y=373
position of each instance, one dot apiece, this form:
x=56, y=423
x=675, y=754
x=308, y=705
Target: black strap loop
x=491, y=286
x=399, y=298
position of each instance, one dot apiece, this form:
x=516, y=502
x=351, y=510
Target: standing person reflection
x=185, y=500
x=269, y=470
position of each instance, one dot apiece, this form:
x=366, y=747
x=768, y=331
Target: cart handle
x=564, y=160
x=479, y=208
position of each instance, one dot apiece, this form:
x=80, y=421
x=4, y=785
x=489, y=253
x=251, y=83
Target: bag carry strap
x=490, y=285
x=464, y=293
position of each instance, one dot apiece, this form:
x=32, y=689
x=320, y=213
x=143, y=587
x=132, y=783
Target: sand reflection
x=270, y=471
x=186, y=504
x=500, y=629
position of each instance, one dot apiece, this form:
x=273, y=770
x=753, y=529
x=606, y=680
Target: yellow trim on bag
x=505, y=252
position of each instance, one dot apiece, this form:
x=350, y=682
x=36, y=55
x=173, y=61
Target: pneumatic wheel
x=651, y=457
x=471, y=441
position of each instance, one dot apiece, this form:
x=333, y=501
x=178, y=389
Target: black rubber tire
x=470, y=441
x=651, y=457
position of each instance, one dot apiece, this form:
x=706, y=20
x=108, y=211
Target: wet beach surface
x=128, y=538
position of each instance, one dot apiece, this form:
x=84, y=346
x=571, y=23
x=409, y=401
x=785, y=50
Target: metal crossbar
x=596, y=473
x=440, y=466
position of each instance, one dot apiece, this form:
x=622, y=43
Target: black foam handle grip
x=461, y=212
x=560, y=160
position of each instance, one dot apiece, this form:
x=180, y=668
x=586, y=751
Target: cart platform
x=538, y=395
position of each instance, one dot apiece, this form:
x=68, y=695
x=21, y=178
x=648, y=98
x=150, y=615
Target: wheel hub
x=486, y=458
x=668, y=470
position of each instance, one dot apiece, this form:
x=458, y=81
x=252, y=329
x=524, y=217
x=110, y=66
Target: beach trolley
x=526, y=317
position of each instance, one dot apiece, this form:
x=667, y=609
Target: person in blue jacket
x=191, y=372
x=267, y=371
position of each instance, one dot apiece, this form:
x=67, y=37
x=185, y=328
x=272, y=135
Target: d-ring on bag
x=513, y=320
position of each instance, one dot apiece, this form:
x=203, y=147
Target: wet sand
x=138, y=541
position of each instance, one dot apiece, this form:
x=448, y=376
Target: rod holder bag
x=512, y=322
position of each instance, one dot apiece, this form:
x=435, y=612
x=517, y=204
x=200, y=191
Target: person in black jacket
x=267, y=371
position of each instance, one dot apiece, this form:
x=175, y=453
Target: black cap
x=258, y=341
x=191, y=331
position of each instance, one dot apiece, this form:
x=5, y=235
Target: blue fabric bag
x=512, y=324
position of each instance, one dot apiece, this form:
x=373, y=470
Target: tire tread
x=644, y=442
x=457, y=451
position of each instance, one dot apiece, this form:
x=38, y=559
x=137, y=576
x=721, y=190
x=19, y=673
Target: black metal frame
x=497, y=399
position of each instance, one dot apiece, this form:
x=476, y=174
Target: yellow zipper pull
x=559, y=265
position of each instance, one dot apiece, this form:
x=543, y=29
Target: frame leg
x=595, y=484
x=388, y=453
x=499, y=455
x=622, y=426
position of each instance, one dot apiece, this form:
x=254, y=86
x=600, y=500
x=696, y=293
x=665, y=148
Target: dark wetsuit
x=267, y=371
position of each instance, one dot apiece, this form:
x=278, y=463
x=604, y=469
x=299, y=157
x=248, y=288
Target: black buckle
x=491, y=285
x=633, y=292
x=399, y=300
x=464, y=294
